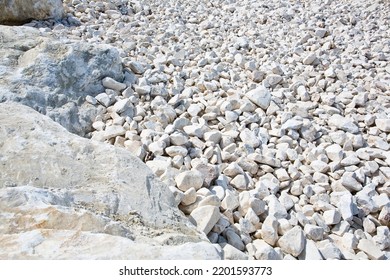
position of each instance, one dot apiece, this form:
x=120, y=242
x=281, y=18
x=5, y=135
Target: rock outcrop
x=66, y=197
x=54, y=76
x=21, y=11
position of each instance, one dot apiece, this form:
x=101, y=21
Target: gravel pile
x=268, y=120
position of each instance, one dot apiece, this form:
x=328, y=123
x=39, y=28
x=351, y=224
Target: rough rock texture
x=58, y=190
x=54, y=76
x=21, y=11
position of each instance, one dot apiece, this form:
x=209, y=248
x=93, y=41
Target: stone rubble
x=271, y=131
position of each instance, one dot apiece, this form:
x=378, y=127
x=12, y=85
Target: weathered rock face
x=53, y=77
x=21, y=11
x=58, y=190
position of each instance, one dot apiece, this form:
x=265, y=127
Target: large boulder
x=67, y=197
x=54, y=76
x=21, y=11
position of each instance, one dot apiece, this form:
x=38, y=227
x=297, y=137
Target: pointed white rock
x=293, y=242
x=205, y=217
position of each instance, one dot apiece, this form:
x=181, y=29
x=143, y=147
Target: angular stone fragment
x=248, y=137
x=384, y=215
x=346, y=207
x=194, y=130
x=275, y=208
x=332, y=217
x=286, y=200
x=292, y=124
x=189, y=196
x=234, y=239
x=382, y=237
x=315, y=233
x=205, y=217
x=330, y=73
x=176, y=150
x=112, y=84
x=212, y=200
x=349, y=241
x=122, y=106
x=274, y=162
x=274, y=79
x=189, y=179
x=329, y=250
x=178, y=139
x=233, y=169
x=282, y=174
x=319, y=166
x=269, y=230
x=113, y=131
x=321, y=32
x=293, y=241
x=350, y=160
x=368, y=247
x=194, y=110
x=240, y=182
x=309, y=59
x=343, y=123
x=232, y=253
x=137, y=67
x=383, y=124
x=260, y=96
x=213, y=136
x=104, y=99
x=348, y=180
x=230, y=201
x=264, y=251
x=310, y=252
x=257, y=76
x=246, y=227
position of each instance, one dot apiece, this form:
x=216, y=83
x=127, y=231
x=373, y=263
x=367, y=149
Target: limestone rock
x=368, y=247
x=310, y=252
x=314, y=232
x=112, y=84
x=249, y=138
x=234, y=239
x=189, y=179
x=383, y=124
x=332, y=217
x=231, y=253
x=309, y=59
x=269, y=230
x=230, y=201
x=55, y=76
x=343, y=123
x=21, y=11
x=382, y=237
x=346, y=206
x=384, y=215
x=293, y=241
x=329, y=250
x=260, y=96
x=76, y=245
x=205, y=217
x=275, y=208
x=335, y=152
x=264, y=251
